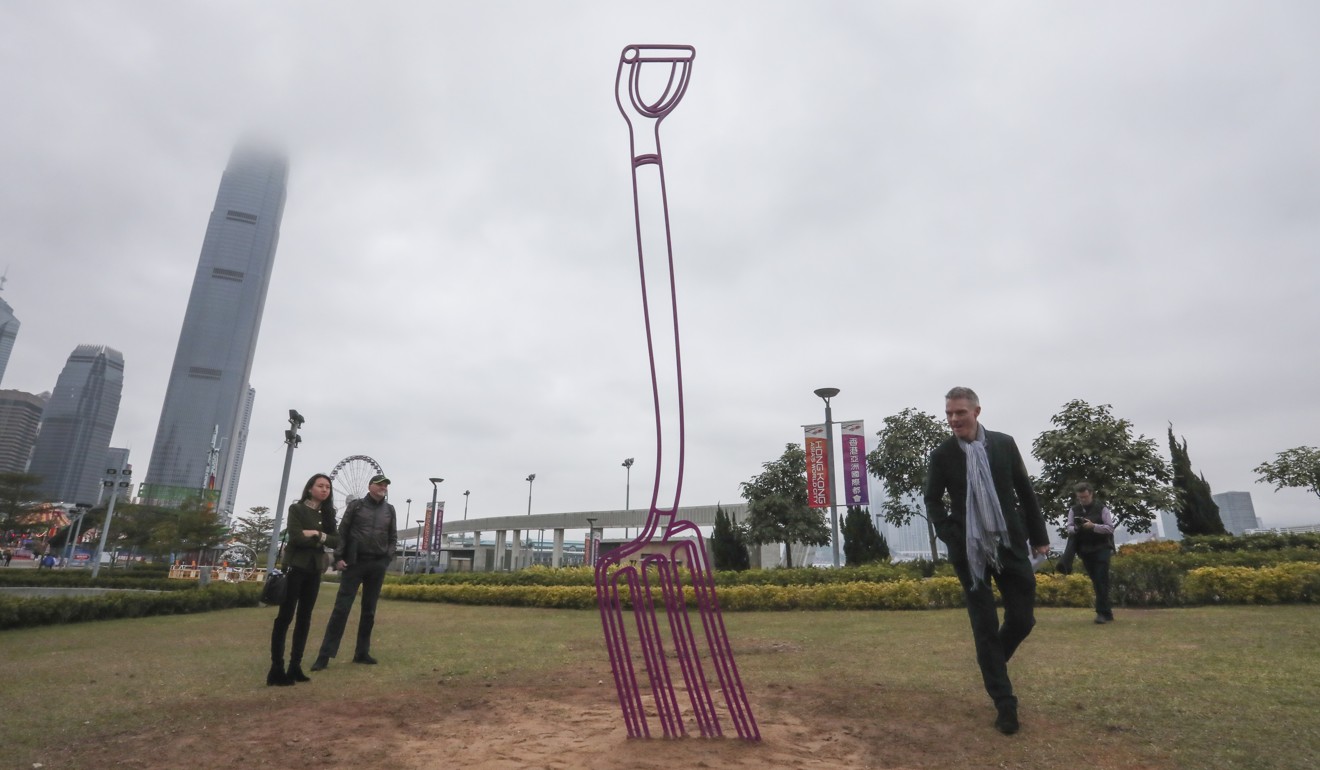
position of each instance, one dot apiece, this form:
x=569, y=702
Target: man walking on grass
x=990, y=516
x=367, y=536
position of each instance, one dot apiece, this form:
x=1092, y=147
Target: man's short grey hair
x=964, y=393
x=1083, y=486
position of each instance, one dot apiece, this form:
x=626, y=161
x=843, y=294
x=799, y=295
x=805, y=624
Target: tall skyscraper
x=20, y=417
x=1237, y=511
x=8, y=332
x=203, y=420
x=77, y=424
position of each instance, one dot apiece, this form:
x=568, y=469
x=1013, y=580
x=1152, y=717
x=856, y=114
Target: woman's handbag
x=277, y=583
x=275, y=589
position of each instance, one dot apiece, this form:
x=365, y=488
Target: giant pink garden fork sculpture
x=663, y=555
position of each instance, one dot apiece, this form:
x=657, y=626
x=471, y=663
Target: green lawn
x=1210, y=687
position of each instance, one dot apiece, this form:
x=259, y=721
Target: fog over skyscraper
x=203, y=421
x=77, y=424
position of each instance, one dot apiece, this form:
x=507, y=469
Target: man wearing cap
x=367, y=536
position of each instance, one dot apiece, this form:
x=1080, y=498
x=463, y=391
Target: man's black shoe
x=320, y=663
x=364, y=658
x=1102, y=619
x=1007, y=721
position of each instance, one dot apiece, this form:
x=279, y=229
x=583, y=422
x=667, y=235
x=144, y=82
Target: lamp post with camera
x=292, y=439
x=109, y=485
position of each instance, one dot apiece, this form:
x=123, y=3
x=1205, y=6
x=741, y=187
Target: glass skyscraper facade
x=1236, y=511
x=77, y=424
x=203, y=422
x=20, y=417
x=8, y=333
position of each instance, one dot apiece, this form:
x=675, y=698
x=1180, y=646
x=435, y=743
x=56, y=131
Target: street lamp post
x=419, y=523
x=109, y=514
x=439, y=522
x=627, y=491
x=73, y=544
x=291, y=438
x=466, y=492
x=407, y=514
x=530, y=478
x=826, y=394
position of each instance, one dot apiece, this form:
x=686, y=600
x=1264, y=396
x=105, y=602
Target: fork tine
x=690, y=662
x=616, y=643
x=726, y=669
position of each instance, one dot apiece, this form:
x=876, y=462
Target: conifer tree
x=862, y=542
x=728, y=544
x=1196, y=511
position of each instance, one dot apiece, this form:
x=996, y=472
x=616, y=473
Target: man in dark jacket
x=1091, y=527
x=989, y=518
x=367, y=537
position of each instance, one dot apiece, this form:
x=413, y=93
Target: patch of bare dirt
x=501, y=727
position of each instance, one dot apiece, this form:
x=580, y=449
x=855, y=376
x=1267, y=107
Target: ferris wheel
x=350, y=479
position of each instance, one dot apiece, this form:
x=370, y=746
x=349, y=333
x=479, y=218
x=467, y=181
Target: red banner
x=818, y=469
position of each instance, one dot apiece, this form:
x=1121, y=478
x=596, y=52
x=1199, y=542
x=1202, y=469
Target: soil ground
x=504, y=727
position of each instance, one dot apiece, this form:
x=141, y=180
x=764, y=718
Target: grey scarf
x=986, y=529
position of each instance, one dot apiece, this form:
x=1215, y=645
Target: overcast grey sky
x=1115, y=202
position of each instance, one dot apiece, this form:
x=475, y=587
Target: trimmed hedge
x=931, y=593
x=1265, y=541
x=1285, y=584
x=1151, y=583
x=585, y=576
x=1258, y=569
x=147, y=580
x=27, y=612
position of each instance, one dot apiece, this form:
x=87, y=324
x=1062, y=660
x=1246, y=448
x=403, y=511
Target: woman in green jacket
x=311, y=527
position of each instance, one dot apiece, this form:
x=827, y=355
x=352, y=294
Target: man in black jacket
x=990, y=516
x=367, y=537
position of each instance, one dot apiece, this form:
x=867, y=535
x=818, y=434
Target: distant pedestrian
x=368, y=535
x=1091, y=524
x=9, y=556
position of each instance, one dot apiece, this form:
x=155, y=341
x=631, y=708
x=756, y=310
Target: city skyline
x=1116, y=204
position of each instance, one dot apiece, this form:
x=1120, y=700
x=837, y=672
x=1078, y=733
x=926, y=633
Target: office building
x=203, y=422
x=77, y=424
x=20, y=418
x=1236, y=511
x=8, y=333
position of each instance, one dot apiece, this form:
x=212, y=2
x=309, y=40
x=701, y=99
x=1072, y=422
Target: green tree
x=1297, y=468
x=18, y=493
x=1090, y=444
x=728, y=544
x=777, y=509
x=253, y=530
x=900, y=459
x=159, y=531
x=862, y=542
x=1196, y=511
